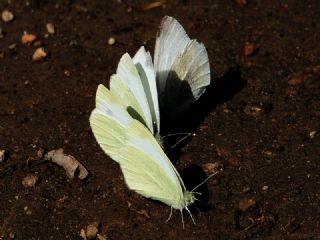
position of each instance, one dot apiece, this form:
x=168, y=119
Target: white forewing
x=182, y=67
x=188, y=78
x=193, y=66
x=128, y=85
x=171, y=41
x=143, y=62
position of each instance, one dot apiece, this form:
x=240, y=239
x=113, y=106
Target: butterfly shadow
x=220, y=90
x=192, y=176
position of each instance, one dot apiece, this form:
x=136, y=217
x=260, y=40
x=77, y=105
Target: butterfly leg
x=168, y=219
x=182, y=218
x=190, y=215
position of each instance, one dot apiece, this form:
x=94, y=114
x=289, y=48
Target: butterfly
x=126, y=119
x=178, y=77
x=145, y=167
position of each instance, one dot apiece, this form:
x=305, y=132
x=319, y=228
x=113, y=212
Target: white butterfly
x=126, y=120
x=178, y=78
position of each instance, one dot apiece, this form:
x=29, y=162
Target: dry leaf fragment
x=68, y=162
x=154, y=4
x=27, y=39
x=298, y=78
x=144, y=212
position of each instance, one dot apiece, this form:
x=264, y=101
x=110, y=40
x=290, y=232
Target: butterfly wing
x=127, y=85
x=188, y=78
x=182, y=66
x=109, y=122
x=171, y=41
x=143, y=61
x=146, y=168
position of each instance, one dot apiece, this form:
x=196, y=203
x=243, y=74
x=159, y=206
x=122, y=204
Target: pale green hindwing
x=143, y=61
x=128, y=86
x=146, y=168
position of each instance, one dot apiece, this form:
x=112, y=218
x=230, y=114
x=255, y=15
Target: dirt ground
x=259, y=120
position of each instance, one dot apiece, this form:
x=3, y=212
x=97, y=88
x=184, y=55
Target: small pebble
x=265, y=188
x=39, y=54
x=83, y=234
x=241, y=2
x=13, y=46
x=246, y=203
x=12, y=235
x=38, y=43
x=211, y=168
x=267, y=153
x=92, y=230
x=111, y=41
x=101, y=237
x=246, y=189
x=7, y=16
x=250, y=49
x=27, y=39
x=4, y=155
x=30, y=180
x=40, y=153
x=67, y=73
x=50, y=28
x=312, y=134
x=252, y=110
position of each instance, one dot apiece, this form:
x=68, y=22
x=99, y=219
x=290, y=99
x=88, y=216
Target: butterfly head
x=188, y=198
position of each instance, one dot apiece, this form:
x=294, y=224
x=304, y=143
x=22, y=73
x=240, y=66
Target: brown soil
x=257, y=120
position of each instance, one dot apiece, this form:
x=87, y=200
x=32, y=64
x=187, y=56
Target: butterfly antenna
x=188, y=135
x=190, y=215
x=168, y=219
x=210, y=176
